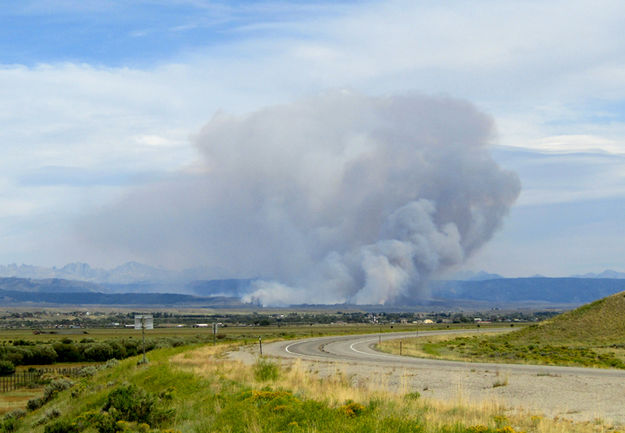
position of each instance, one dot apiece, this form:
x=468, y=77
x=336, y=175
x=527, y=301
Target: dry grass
x=304, y=379
x=17, y=399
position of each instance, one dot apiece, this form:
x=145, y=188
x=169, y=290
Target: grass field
x=196, y=389
x=17, y=399
x=237, y=333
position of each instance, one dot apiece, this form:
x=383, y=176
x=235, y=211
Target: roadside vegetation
x=199, y=390
x=40, y=347
x=28, y=353
x=590, y=336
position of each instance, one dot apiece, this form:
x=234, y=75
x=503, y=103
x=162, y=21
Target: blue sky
x=98, y=98
x=141, y=33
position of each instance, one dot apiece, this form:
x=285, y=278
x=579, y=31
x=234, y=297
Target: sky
x=99, y=100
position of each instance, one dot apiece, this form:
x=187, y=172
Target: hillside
x=600, y=322
x=592, y=335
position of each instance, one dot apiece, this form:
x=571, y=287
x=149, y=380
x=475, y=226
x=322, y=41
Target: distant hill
x=475, y=294
x=67, y=292
x=143, y=299
x=47, y=285
x=509, y=290
x=599, y=323
x=127, y=273
x=608, y=273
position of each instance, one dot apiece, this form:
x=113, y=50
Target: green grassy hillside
x=599, y=323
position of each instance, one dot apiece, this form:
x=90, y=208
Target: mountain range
x=570, y=290
x=127, y=273
x=134, y=273
x=132, y=282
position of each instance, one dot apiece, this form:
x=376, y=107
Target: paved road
x=581, y=394
x=359, y=349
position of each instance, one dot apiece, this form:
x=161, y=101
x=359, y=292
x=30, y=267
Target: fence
x=23, y=379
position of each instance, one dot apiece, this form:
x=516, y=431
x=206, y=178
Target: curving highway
x=359, y=349
x=582, y=394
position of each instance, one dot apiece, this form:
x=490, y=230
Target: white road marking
x=351, y=346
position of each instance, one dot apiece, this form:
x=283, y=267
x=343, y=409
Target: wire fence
x=24, y=379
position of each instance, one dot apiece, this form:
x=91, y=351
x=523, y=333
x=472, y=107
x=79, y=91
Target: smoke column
x=338, y=198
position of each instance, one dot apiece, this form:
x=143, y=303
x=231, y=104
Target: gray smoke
x=338, y=198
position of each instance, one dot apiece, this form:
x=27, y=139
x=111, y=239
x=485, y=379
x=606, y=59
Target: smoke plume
x=338, y=198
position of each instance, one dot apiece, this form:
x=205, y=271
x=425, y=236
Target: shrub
x=6, y=368
x=17, y=413
x=15, y=355
x=118, y=350
x=54, y=387
x=48, y=416
x=62, y=426
x=87, y=371
x=131, y=402
x=109, y=364
x=477, y=429
x=67, y=352
x=98, y=352
x=352, y=409
x=265, y=370
x=40, y=354
x=10, y=422
x=35, y=403
x=412, y=395
x=131, y=347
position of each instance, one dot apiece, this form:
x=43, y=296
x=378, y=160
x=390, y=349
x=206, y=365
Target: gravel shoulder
x=579, y=394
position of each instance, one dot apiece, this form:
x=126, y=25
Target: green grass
x=165, y=396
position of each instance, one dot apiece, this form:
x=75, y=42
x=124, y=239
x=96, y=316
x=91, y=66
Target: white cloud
x=544, y=70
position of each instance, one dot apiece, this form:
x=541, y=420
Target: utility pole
x=214, y=333
x=260, y=345
x=145, y=361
